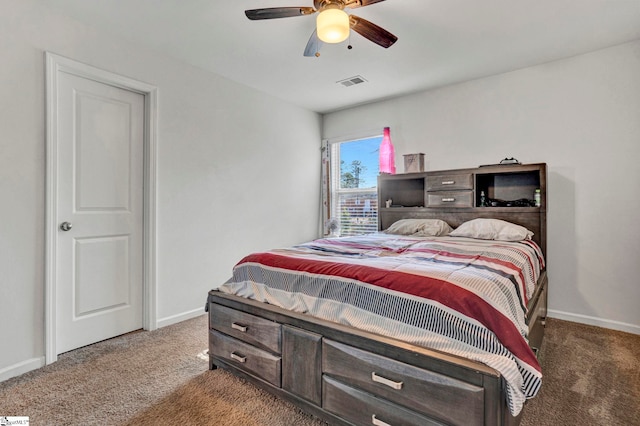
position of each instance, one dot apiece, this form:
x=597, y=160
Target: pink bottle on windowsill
x=387, y=154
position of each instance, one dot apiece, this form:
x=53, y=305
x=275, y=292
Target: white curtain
x=325, y=200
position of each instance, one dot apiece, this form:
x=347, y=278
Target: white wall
x=227, y=156
x=579, y=115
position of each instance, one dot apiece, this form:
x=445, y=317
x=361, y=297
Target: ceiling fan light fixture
x=332, y=25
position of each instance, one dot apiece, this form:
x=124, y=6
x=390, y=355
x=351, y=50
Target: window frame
x=333, y=180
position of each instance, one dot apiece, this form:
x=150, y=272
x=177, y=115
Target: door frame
x=54, y=65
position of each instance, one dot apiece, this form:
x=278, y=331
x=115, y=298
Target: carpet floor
x=591, y=377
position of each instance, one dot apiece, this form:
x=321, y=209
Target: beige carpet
x=591, y=376
x=156, y=378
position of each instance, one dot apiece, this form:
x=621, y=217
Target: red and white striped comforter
x=462, y=296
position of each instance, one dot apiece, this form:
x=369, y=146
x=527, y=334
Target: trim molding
x=364, y=134
x=35, y=363
x=21, y=368
x=598, y=322
x=174, y=319
x=54, y=65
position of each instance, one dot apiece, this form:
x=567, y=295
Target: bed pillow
x=420, y=227
x=492, y=229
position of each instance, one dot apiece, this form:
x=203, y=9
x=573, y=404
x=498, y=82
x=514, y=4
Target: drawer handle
x=448, y=200
x=448, y=182
x=385, y=381
x=239, y=327
x=378, y=422
x=238, y=358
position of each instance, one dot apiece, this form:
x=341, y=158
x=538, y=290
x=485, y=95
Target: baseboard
x=21, y=368
x=174, y=319
x=598, y=322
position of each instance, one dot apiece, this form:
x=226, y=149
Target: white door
x=99, y=246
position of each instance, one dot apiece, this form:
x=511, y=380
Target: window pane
x=358, y=212
x=353, y=188
x=359, y=163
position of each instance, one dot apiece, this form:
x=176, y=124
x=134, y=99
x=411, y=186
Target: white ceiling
x=440, y=42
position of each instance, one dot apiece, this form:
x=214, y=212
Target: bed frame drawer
x=362, y=408
x=246, y=357
x=421, y=390
x=537, y=314
x=449, y=182
x=450, y=199
x=246, y=327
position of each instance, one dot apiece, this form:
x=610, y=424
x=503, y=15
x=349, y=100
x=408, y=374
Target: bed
x=423, y=323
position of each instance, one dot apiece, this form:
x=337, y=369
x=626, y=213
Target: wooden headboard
x=455, y=196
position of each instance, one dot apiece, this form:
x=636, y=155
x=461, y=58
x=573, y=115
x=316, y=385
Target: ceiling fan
x=332, y=23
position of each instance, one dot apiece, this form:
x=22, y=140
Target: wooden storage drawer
x=450, y=182
x=420, y=390
x=364, y=409
x=249, y=328
x=450, y=199
x=537, y=314
x=246, y=357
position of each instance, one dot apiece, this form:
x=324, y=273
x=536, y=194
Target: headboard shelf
x=455, y=196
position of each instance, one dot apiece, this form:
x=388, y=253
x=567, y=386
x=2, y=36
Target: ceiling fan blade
x=371, y=31
x=278, y=12
x=313, y=45
x=361, y=3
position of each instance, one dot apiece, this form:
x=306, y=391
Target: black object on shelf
x=504, y=162
x=522, y=202
x=509, y=161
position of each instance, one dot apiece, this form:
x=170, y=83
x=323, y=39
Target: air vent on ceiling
x=352, y=81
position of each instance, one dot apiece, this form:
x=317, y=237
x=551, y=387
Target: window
x=353, y=185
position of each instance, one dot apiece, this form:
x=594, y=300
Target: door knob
x=65, y=226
